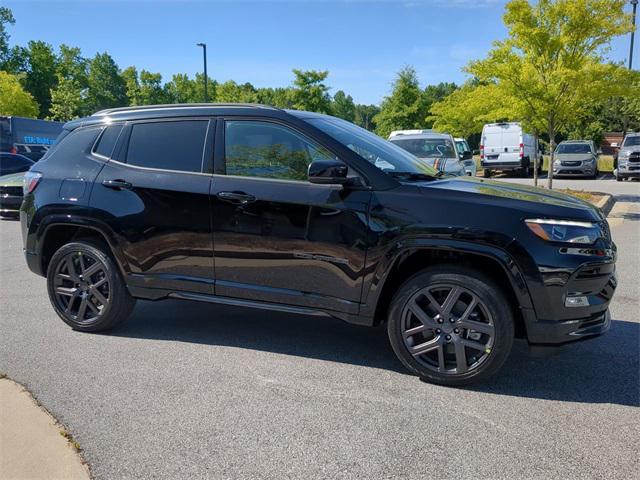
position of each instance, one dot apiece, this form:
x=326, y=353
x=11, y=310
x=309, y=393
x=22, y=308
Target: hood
x=531, y=200
x=12, y=180
x=573, y=157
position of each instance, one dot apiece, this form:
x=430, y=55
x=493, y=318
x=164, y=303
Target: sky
x=362, y=43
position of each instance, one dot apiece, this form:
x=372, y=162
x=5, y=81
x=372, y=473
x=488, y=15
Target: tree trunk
x=536, y=162
x=552, y=147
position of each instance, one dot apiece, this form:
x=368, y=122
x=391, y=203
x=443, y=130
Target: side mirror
x=467, y=155
x=328, y=172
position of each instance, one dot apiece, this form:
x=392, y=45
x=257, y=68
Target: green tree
x=6, y=18
x=181, y=89
x=14, y=100
x=231, y=92
x=132, y=85
x=552, y=60
x=435, y=93
x=405, y=108
x=276, y=97
x=68, y=98
x=107, y=88
x=343, y=106
x=309, y=91
x=364, y=116
x=465, y=111
x=40, y=75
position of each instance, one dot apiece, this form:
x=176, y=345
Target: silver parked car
x=628, y=164
x=435, y=149
x=576, y=158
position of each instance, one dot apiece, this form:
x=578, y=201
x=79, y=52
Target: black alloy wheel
x=451, y=325
x=85, y=287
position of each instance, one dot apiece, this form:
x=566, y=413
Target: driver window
x=269, y=150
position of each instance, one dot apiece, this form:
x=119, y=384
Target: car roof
x=177, y=110
x=575, y=141
x=420, y=135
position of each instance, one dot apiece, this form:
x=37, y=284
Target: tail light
x=522, y=150
x=31, y=181
x=481, y=152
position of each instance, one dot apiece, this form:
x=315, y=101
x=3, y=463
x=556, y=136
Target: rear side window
x=108, y=140
x=75, y=143
x=174, y=145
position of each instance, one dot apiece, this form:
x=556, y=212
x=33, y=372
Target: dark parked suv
x=305, y=213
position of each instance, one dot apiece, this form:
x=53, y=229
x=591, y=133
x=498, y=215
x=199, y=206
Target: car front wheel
x=85, y=287
x=451, y=326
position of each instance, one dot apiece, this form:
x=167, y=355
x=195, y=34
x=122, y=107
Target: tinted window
x=75, y=143
x=14, y=164
x=426, y=147
x=168, y=145
x=262, y=149
x=108, y=140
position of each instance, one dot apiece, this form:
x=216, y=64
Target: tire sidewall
x=492, y=297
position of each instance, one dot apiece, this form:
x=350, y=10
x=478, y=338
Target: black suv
x=305, y=213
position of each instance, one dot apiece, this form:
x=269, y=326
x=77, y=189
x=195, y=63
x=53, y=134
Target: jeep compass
x=300, y=212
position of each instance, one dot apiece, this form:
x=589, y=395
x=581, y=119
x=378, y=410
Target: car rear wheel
x=85, y=287
x=486, y=173
x=451, y=326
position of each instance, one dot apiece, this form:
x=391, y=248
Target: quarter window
x=269, y=150
x=174, y=145
x=108, y=140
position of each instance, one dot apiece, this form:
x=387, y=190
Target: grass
x=605, y=163
x=581, y=194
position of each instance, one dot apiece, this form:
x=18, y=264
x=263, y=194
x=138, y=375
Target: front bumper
x=549, y=332
x=628, y=170
x=10, y=205
x=578, y=171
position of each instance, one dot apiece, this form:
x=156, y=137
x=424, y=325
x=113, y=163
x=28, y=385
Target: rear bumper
x=504, y=165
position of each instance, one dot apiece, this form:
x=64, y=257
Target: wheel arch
x=492, y=262
x=56, y=232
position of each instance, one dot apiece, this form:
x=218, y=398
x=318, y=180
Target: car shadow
x=602, y=370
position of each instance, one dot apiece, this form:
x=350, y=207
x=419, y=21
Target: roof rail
x=108, y=111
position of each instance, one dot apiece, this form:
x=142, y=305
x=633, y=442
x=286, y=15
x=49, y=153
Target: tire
x=440, y=338
x=486, y=173
x=83, y=273
x=618, y=178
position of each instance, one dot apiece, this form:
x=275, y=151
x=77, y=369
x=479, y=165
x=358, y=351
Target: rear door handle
x=240, y=198
x=117, y=184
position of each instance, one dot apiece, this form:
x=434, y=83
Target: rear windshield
x=573, y=148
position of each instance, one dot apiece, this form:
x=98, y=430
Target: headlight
x=556, y=163
x=566, y=231
x=625, y=153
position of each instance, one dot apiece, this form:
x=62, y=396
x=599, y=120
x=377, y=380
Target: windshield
x=427, y=147
x=573, y=148
x=461, y=146
x=385, y=155
x=632, y=141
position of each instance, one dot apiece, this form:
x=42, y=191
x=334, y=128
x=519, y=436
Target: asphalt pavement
x=188, y=390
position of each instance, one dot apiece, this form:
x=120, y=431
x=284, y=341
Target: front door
x=155, y=197
x=277, y=237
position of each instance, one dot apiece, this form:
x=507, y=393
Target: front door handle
x=240, y=198
x=117, y=184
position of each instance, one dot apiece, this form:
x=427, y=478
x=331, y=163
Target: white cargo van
x=506, y=147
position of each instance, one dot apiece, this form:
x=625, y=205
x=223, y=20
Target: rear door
x=277, y=237
x=155, y=197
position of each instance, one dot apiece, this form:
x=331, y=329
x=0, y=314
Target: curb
x=605, y=203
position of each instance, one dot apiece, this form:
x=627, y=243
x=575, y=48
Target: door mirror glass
x=328, y=172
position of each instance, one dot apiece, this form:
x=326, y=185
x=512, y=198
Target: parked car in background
x=506, y=147
x=11, y=194
x=435, y=149
x=28, y=136
x=309, y=214
x=628, y=158
x=14, y=163
x=462, y=147
x=576, y=158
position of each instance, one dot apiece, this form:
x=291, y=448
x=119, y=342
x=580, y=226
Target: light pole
x=204, y=59
x=635, y=5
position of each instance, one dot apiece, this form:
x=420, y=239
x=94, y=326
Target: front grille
x=634, y=157
x=13, y=191
x=571, y=164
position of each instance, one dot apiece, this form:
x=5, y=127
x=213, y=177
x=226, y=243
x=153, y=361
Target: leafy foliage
x=14, y=100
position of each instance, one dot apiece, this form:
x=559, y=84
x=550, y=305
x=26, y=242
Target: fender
x=50, y=220
x=409, y=245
